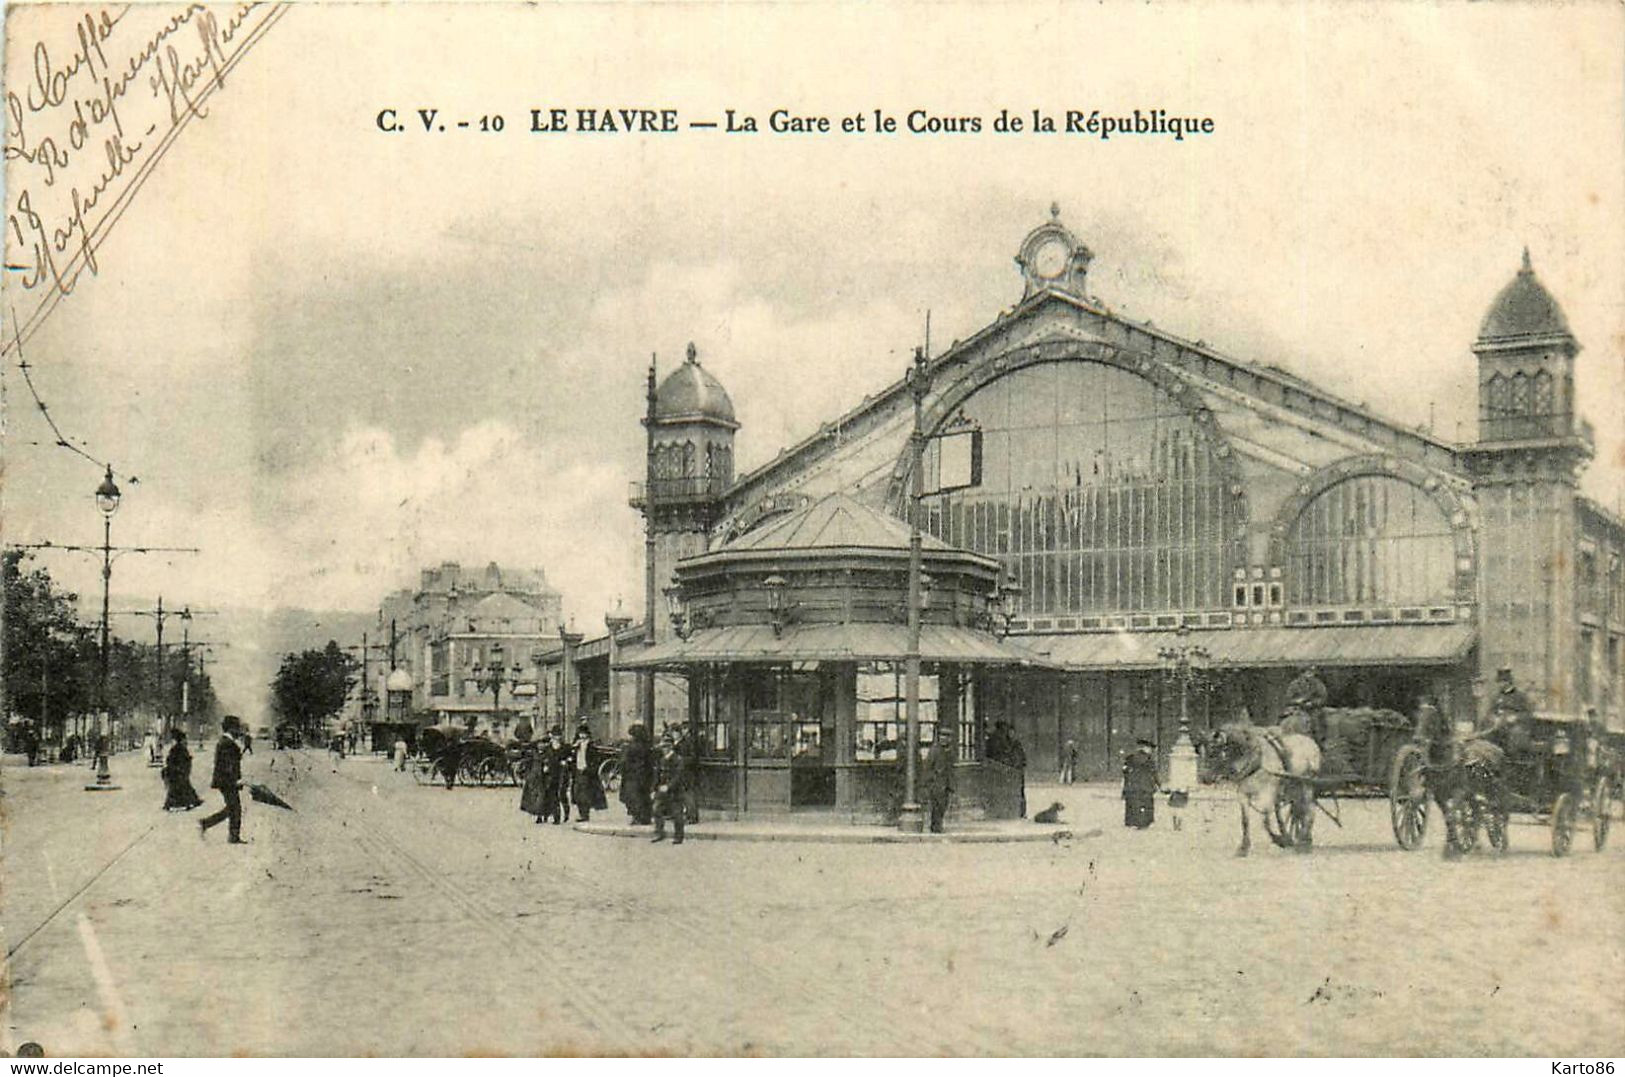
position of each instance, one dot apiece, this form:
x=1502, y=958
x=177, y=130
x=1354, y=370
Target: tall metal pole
x=911, y=818
x=161, y=694
x=107, y=579
x=646, y=678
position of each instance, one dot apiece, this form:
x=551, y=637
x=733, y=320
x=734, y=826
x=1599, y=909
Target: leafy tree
x=311, y=686
x=44, y=649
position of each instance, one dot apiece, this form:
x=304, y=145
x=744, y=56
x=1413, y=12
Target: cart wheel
x=1563, y=813
x=609, y=775
x=1602, y=810
x=1407, y=797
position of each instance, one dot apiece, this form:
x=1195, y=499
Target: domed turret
x=1524, y=309
x=692, y=394
x=1525, y=365
x=690, y=423
x=399, y=681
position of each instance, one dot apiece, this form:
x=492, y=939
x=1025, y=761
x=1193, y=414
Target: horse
x=1271, y=770
x=1466, y=776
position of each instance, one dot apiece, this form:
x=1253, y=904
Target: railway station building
x=1141, y=493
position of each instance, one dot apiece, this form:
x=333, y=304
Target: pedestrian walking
x=400, y=753
x=228, y=778
x=540, y=795
x=687, y=745
x=178, y=792
x=671, y=788
x=1140, y=786
x=559, y=755
x=586, y=790
x=149, y=742
x=938, y=781
x=637, y=773
x=1069, y=762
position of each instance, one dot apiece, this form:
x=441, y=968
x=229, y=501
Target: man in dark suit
x=228, y=777
x=671, y=787
x=938, y=780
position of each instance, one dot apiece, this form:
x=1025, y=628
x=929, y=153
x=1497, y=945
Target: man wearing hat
x=586, y=790
x=671, y=790
x=1509, y=702
x=228, y=777
x=1140, y=786
x=1306, y=704
x=938, y=778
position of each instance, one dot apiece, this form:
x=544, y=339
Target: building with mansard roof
x=1141, y=490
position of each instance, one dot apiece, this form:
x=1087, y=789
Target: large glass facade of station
x=1097, y=489
x=1371, y=540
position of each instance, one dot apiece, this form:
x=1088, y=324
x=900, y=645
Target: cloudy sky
x=332, y=355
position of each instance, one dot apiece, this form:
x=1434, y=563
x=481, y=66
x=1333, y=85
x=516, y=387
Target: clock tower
x=1053, y=259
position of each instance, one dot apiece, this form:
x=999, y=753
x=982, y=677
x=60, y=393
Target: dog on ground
x=1051, y=814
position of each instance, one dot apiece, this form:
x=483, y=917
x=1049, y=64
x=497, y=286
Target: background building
x=450, y=631
x=1135, y=484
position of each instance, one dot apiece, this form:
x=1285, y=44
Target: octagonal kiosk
x=793, y=639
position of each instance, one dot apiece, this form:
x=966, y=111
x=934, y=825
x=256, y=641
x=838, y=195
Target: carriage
x=1361, y=749
x=1546, y=772
x=1361, y=754
x=481, y=762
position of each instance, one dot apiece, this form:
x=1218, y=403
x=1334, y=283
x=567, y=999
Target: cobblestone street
x=387, y=917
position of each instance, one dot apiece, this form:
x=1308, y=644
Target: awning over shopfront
x=858, y=642
x=1332, y=646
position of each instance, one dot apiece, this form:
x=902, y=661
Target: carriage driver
x=1510, y=702
x=1306, y=696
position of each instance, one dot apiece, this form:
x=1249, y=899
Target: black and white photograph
x=839, y=530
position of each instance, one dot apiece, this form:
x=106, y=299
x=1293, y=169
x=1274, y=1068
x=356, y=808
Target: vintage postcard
x=976, y=530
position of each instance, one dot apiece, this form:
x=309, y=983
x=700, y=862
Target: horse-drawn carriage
x=1553, y=773
x=451, y=756
x=448, y=754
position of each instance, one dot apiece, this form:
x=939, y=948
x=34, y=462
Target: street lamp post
x=1183, y=662
x=911, y=818
x=107, y=499
x=492, y=682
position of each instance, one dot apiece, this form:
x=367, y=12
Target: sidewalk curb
x=854, y=835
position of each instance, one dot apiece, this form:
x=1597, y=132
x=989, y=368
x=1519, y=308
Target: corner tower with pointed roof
x=1525, y=468
x=690, y=423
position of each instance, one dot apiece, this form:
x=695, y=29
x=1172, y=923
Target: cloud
x=354, y=525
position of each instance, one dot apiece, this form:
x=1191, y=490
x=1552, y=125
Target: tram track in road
x=587, y=1005
x=887, y=1031
x=73, y=899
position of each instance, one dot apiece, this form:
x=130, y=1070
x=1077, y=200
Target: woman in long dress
x=178, y=792
x=637, y=767
x=540, y=795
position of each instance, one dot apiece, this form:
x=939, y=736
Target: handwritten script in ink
x=95, y=99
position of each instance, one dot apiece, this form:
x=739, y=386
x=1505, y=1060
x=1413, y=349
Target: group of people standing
x=564, y=775
x=656, y=779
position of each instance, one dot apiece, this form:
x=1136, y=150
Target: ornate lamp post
x=107, y=499
x=912, y=817
x=491, y=681
x=1184, y=663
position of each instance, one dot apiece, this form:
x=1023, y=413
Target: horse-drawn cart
x=1287, y=775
